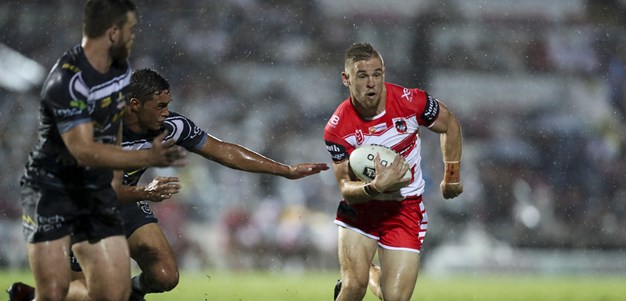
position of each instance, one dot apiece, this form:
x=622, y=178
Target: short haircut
x=145, y=83
x=361, y=52
x=100, y=15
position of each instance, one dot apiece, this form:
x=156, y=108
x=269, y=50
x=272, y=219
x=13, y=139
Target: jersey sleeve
x=338, y=148
x=184, y=132
x=65, y=96
x=427, y=107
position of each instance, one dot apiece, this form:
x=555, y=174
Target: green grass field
x=257, y=286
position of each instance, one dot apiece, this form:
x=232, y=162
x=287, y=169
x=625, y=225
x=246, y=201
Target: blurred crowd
x=540, y=93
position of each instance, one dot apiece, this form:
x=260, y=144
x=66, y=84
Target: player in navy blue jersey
x=147, y=116
x=67, y=194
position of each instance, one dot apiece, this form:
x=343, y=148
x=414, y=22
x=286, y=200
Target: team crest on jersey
x=377, y=128
x=400, y=125
x=359, y=137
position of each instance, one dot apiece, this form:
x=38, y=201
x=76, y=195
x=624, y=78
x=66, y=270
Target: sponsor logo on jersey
x=377, y=128
x=400, y=125
x=338, y=157
x=64, y=113
x=49, y=223
x=337, y=151
x=431, y=110
x=359, y=137
x=70, y=67
x=76, y=108
x=406, y=93
x=105, y=102
x=80, y=104
x=130, y=173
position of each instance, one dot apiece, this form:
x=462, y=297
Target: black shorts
x=134, y=215
x=50, y=214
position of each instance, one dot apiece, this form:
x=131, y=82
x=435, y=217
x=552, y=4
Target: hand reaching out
x=305, y=169
x=162, y=188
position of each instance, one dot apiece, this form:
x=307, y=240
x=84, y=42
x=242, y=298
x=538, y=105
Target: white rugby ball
x=363, y=166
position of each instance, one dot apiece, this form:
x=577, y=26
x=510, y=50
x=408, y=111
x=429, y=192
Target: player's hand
x=166, y=153
x=162, y=188
x=305, y=169
x=391, y=175
x=451, y=190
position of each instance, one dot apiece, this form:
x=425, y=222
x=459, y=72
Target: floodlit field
x=256, y=286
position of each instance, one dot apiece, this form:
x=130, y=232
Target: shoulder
x=64, y=81
x=413, y=101
x=343, y=113
x=184, y=131
x=403, y=94
x=177, y=123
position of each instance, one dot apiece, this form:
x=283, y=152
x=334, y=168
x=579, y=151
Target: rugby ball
x=362, y=162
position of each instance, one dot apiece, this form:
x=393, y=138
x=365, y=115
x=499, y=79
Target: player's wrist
x=370, y=190
x=452, y=172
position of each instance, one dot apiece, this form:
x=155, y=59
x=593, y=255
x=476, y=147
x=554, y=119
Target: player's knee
x=353, y=287
x=52, y=292
x=165, y=280
x=170, y=281
x=396, y=295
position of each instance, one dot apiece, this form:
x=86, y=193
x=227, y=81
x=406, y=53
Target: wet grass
x=313, y=285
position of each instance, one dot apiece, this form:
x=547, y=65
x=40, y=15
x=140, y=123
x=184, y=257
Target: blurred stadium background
x=539, y=87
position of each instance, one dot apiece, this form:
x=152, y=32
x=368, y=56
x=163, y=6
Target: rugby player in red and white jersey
x=370, y=217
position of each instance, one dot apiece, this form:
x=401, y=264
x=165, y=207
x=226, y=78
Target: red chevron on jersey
x=397, y=128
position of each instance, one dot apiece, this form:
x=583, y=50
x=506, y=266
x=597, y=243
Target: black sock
x=139, y=285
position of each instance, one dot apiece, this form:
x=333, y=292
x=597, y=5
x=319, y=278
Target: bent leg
x=49, y=262
x=152, y=252
x=78, y=288
x=356, y=252
x=398, y=275
x=106, y=266
x=374, y=282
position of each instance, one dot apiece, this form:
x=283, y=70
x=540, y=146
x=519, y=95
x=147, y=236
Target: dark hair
x=100, y=15
x=145, y=84
x=360, y=52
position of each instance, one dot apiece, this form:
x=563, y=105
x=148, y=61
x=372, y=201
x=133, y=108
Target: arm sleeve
x=427, y=107
x=185, y=132
x=339, y=149
x=65, y=95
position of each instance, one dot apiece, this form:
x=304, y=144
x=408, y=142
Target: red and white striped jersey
x=397, y=128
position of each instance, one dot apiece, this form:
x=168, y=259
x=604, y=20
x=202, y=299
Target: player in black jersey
x=67, y=194
x=146, y=117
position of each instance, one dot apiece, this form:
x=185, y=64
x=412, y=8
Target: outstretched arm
x=451, y=145
x=238, y=157
x=80, y=142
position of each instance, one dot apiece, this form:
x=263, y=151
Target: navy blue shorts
x=50, y=214
x=134, y=216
